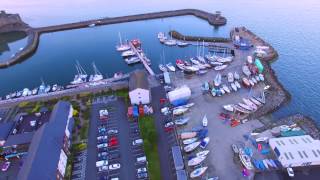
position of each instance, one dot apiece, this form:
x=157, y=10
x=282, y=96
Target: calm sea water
x=291, y=26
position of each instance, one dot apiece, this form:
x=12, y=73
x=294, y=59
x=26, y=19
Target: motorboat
x=179, y=111
x=241, y=109
x=19, y=93
x=230, y=77
x=194, y=61
x=224, y=59
x=204, y=142
x=237, y=84
x=249, y=103
x=233, y=86
x=236, y=76
x=226, y=89
x=8, y=97
x=245, y=159
x=202, y=153
x=161, y=35
x=47, y=89
x=13, y=95
x=261, y=77
x=229, y=107
x=251, y=82
x=118, y=75
x=255, y=101
x=188, y=135
x=170, y=42
x=180, y=64
x=42, y=87
x=162, y=68
x=205, y=121
x=254, y=80
x=189, y=141
x=132, y=60
x=219, y=68
x=54, y=87
x=217, y=80
x=245, y=106
x=92, y=25
x=171, y=67
x=202, y=71
x=213, y=92
x=182, y=121
x=196, y=160
x=25, y=92
x=191, y=146
x=128, y=53
x=187, y=63
x=246, y=70
x=163, y=39
x=246, y=82
x=216, y=63
x=182, y=43
x=198, y=172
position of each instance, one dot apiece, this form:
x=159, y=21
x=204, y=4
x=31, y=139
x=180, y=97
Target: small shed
x=139, y=91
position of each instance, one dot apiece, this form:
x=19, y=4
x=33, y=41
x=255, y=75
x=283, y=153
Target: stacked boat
x=220, y=63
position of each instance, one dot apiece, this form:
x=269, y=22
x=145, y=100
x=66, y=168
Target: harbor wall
x=177, y=35
x=277, y=95
x=33, y=40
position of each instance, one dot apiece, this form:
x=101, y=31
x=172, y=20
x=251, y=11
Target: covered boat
x=259, y=65
x=189, y=141
x=198, y=172
x=191, y=146
x=188, y=135
x=219, y=68
x=203, y=153
x=182, y=121
x=217, y=80
x=196, y=160
x=246, y=70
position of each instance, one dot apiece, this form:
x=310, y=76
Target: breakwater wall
x=179, y=36
x=34, y=33
x=277, y=95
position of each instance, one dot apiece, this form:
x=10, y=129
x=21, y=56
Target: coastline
x=34, y=33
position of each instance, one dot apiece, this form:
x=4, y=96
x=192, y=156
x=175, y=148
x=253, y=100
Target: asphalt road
x=164, y=147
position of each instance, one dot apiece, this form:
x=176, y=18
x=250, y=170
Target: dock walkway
x=142, y=59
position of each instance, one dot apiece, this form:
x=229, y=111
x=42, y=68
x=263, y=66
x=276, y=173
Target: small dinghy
x=171, y=67
x=203, y=153
x=253, y=79
x=246, y=82
x=230, y=77
x=251, y=82
x=236, y=76
x=249, y=103
x=204, y=142
x=228, y=107
x=219, y=68
x=214, y=63
x=182, y=121
x=225, y=88
x=189, y=141
x=188, y=135
x=196, y=160
x=205, y=121
x=162, y=68
x=198, y=172
x=233, y=86
x=261, y=77
x=217, y=80
x=255, y=101
x=237, y=84
x=245, y=106
x=191, y=146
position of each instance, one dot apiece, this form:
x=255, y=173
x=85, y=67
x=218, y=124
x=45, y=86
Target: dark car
x=142, y=175
x=75, y=176
x=103, y=149
x=114, y=156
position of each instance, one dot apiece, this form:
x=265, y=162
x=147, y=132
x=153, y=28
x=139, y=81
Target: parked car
x=169, y=124
x=290, y=172
x=114, y=156
x=5, y=166
x=113, y=131
x=103, y=149
x=101, y=163
x=103, y=156
x=103, y=145
x=114, y=166
x=102, y=137
x=168, y=129
x=141, y=170
x=137, y=142
x=142, y=175
x=103, y=114
x=102, y=168
x=113, y=143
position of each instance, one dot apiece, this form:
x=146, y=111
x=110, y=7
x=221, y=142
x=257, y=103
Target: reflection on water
x=10, y=43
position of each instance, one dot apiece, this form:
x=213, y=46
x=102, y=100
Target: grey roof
x=138, y=79
x=5, y=129
x=45, y=148
x=18, y=139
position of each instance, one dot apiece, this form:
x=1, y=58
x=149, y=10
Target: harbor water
x=290, y=26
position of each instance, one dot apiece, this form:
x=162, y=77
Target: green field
x=149, y=135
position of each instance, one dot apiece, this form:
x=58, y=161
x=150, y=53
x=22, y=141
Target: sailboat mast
x=120, y=38
x=202, y=48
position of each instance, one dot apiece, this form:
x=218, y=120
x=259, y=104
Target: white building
x=139, y=91
x=296, y=151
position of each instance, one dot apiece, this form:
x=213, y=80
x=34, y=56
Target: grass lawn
x=149, y=135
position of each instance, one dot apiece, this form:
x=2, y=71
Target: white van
x=137, y=142
x=101, y=163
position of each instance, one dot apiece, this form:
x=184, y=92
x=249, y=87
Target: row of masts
x=82, y=75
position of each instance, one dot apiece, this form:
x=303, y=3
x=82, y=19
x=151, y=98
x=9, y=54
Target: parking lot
x=110, y=142
x=79, y=165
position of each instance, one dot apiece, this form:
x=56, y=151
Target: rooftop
x=138, y=79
